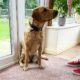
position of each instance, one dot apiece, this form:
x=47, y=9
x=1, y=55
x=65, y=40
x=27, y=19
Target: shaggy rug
x=55, y=69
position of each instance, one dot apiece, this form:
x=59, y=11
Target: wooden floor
x=71, y=54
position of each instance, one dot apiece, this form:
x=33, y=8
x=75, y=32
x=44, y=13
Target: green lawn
x=4, y=29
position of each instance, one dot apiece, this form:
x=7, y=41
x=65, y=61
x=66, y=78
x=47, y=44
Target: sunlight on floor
x=71, y=54
x=5, y=47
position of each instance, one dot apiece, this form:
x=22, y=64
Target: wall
x=59, y=39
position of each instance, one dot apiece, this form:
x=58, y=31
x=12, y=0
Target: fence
x=4, y=13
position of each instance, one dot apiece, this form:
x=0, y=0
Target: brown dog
x=32, y=41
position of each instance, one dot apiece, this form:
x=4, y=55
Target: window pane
x=29, y=6
x=5, y=48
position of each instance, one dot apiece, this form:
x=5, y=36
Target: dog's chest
x=34, y=47
x=36, y=40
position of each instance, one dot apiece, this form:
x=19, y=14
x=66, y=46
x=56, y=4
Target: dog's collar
x=35, y=28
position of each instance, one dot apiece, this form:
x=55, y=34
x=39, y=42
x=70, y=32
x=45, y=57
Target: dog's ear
x=55, y=13
x=36, y=15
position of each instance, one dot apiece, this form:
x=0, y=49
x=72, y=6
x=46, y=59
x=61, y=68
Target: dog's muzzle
x=55, y=13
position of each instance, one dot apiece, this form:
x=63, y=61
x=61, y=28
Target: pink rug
x=55, y=69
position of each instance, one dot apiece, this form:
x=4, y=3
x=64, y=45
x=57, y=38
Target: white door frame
x=20, y=17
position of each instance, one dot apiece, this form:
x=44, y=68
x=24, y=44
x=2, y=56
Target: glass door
x=29, y=6
x=8, y=33
x=5, y=47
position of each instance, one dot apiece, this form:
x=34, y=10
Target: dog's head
x=43, y=14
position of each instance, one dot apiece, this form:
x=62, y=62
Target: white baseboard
x=7, y=65
x=58, y=51
x=50, y=51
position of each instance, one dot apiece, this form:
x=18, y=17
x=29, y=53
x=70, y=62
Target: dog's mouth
x=55, y=13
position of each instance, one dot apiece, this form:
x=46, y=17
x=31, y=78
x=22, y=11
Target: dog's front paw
x=25, y=68
x=21, y=64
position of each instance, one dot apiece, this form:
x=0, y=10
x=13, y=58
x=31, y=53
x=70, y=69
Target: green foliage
x=4, y=29
x=76, y=6
x=4, y=4
x=61, y=6
x=1, y=3
x=78, y=10
x=30, y=4
x=75, y=3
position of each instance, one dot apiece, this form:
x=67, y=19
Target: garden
x=4, y=29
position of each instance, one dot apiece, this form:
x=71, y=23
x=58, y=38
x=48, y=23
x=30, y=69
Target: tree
x=76, y=6
x=4, y=4
x=30, y=4
x=1, y=3
x=61, y=6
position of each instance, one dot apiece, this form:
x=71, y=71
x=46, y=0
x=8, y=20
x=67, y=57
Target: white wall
x=59, y=39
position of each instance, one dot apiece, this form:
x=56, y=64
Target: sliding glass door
x=5, y=47
x=8, y=33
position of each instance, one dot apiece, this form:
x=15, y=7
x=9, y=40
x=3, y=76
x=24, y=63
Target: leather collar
x=35, y=28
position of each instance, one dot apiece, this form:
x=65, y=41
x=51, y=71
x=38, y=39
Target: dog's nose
x=55, y=13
